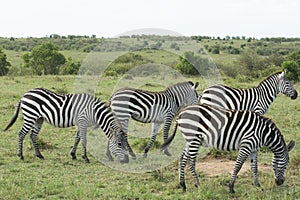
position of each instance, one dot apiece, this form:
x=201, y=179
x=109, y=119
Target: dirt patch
x=216, y=167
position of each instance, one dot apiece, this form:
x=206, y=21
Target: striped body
x=256, y=99
x=81, y=110
x=152, y=107
x=246, y=131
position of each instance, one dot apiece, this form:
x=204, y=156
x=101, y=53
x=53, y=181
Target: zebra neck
x=174, y=98
x=273, y=139
x=267, y=91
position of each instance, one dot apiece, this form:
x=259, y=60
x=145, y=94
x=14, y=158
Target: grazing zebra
x=228, y=130
x=256, y=99
x=81, y=110
x=152, y=107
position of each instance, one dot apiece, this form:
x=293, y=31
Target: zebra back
x=256, y=99
x=140, y=103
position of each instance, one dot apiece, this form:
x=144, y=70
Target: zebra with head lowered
x=228, y=130
x=256, y=99
x=81, y=110
x=152, y=107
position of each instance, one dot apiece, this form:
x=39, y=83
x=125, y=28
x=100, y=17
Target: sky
x=110, y=18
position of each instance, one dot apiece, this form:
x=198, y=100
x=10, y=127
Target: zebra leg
x=238, y=165
x=155, y=127
x=33, y=135
x=253, y=160
x=193, y=170
x=74, y=148
x=22, y=133
x=183, y=159
x=166, y=133
x=83, y=130
x=193, y=151
x=125, y=129
x=108, y=153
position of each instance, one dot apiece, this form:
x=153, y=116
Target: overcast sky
x=251, y=18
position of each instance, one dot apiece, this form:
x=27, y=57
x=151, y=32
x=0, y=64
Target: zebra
x=152, y=107
x=256, y=99
x=66, y=110
x=228, y=130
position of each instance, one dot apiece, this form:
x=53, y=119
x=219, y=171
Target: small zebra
x=256, y=99
x=81, y=110
x=152, y=107
x=228, y=130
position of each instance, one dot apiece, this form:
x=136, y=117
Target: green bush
x=293, y=70
x=292, y=65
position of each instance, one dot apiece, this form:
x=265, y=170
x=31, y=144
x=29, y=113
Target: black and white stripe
x=81, y=110
x=228, y=130
x=256, y=99
x=152, y=107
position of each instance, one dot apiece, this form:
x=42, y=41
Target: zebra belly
x=154, y=114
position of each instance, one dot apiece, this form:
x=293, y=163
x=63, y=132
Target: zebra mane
x=269, y=77
x=179, y=84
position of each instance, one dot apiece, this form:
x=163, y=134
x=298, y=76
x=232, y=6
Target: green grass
x=60, y=177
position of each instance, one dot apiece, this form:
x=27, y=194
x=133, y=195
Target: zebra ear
x=291, y=145
x=282, y=74
x=196, y=85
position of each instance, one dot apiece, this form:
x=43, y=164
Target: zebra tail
x=170, y=139
x=14, y=118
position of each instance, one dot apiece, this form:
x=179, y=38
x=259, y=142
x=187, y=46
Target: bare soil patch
x=216, y=167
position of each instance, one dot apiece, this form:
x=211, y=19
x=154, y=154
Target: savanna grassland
x=242, y=62
x=60, y=177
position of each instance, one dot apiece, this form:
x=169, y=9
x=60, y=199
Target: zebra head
x=117, y=145
x=280, y=163
x=192, y=96
x=286, y=87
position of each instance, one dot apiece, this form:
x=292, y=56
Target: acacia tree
x=45, y=59
x=4, y=64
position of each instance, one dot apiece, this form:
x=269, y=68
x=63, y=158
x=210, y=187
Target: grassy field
x=60, y=177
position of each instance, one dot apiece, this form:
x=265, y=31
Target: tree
x=45, y=59
x=292, y=65
x=71, y=67
x=4, y=64
x=192, y=65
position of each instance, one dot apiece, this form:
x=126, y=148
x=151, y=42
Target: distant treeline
x=268, y=39
x=265, y=46
x=86, y=43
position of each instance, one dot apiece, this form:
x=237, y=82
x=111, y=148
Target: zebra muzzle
x=125, y=160
x=295, y=95
x=279, y=181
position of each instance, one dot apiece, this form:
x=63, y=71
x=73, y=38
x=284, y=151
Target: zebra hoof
x=231, y=190
x=40, y=157
x=73, y=156
x=133, y=156
x=182, y=184
x=86, y=160
x=145, y=155
x=167, y=152
x=20, y=155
